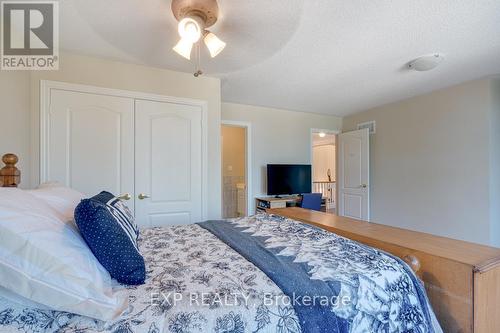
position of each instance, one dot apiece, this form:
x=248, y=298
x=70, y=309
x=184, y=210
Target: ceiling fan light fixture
x=214, y=44
x=194, y=18
x=183, y=48
x=190, y=28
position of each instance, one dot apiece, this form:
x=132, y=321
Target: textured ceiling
x=324, y=56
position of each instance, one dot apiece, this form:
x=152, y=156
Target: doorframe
x=248, y=127
x=46, y=86
x=311, y=141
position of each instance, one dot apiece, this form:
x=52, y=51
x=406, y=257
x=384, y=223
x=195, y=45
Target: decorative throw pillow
x=108, y=227
x=121, y=213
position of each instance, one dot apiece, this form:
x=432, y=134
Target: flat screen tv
x=285, y=179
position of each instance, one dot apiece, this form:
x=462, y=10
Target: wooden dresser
x=462, y=279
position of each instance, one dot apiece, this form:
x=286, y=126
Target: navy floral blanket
x=333, y=283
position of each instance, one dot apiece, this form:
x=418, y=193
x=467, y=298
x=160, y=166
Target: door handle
x=125, y=197
x=363, y=186
x=142, y=196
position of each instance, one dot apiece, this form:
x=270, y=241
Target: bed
x=233, y=295
x=264, y=273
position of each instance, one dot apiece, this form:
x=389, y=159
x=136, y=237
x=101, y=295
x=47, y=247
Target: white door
x=354, y=175
x=168, y=162
x=90, y=142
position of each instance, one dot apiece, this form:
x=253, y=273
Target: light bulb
x=322, y=134
x=214, y=44
x=184, y=48
x=190, y=28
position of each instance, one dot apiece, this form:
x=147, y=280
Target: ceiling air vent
x=370, y=125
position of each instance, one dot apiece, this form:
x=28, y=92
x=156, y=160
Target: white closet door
x=90, y=142
x=168, y=163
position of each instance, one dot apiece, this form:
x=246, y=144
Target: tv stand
x=264, y=203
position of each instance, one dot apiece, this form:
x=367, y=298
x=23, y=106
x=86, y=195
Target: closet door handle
x=142, y=196
x=125, y=197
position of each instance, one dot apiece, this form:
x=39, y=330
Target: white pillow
x=63, y=199
x=48, y=262
x=16, y=298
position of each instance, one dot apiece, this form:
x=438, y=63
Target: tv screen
x=288, y=179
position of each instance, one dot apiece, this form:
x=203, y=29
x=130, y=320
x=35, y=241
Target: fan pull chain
x=198, y=71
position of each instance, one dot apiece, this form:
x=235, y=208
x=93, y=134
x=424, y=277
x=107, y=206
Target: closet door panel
x=171, y=135
x=168, y=163
x=91, y=142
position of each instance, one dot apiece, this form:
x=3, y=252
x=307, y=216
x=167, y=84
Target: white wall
x=278, y=136
x=430, y=162
x=323, y=159
x=495, y=164
x=110, y=74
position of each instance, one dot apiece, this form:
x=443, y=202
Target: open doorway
x=236, y=169
x=324, y=167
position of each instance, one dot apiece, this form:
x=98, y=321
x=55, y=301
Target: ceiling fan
x=195, y=17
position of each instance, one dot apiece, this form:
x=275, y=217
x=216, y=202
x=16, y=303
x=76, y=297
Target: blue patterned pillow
x=121, y=214
x=108, y=227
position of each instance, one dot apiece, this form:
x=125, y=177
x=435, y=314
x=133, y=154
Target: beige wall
x=117, y=75
x=15, y=119
x=233, y=167
x=278, y=136
x=430, y=162
x=233, y=151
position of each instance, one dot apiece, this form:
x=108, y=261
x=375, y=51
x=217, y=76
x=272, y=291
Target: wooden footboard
x=10, y=176
x=462, y=279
